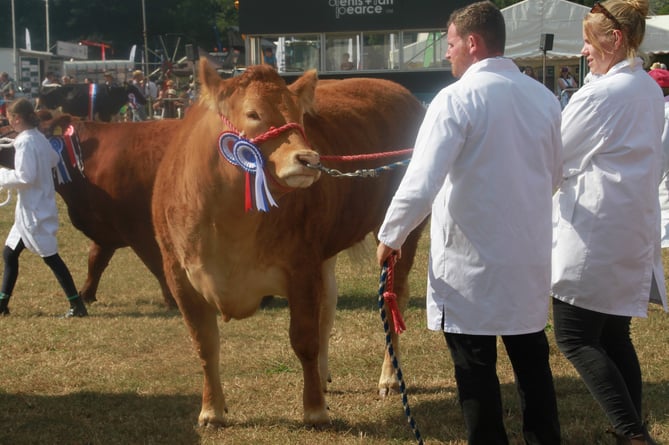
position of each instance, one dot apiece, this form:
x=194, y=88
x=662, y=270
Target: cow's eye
x=253, y=115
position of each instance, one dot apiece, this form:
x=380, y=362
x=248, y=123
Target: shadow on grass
x=437, y=416
x=109, y=419
x=95, y=418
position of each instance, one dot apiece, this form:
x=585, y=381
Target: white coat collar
x=491, y=64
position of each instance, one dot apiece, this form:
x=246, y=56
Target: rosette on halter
x=243, y=153
x=58, y=145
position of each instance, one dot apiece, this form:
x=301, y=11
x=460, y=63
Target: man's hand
x=383, y=252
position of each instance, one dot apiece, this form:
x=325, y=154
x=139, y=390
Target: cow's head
x=257, y=103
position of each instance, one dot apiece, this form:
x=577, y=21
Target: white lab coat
x=606, y=213
x=36, y=214
x=664, y=183
x=486, y=161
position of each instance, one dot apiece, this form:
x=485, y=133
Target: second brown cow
x=111, y=201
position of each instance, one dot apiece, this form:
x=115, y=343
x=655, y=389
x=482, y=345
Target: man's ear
x=473, y=43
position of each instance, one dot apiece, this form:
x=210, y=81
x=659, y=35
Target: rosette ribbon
x=243, y=153
x=58, y=146
x=92, y=93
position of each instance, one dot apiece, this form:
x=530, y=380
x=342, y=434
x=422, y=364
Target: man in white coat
x=486, y=161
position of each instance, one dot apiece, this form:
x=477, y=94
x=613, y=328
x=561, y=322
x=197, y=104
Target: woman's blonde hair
x=629, y=17
x=25, y=110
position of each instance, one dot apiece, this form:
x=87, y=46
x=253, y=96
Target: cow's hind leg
x=152, y=259
x=98, y=260
x=388, y=382
x=304, y=299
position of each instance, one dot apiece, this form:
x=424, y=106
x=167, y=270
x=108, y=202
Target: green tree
x=119, y=23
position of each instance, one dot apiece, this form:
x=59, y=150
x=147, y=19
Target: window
x=344, y=51
x=425, y=49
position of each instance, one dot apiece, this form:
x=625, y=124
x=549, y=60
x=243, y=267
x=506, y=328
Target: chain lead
x=362, y=173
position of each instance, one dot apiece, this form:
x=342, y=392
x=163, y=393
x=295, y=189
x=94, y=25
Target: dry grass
x=128, y=373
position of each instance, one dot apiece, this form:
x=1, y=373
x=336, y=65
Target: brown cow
x=220, y=258
x=111, y=202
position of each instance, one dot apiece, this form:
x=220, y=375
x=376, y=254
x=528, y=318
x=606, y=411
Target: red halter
x=269, y=134
x=244, y=153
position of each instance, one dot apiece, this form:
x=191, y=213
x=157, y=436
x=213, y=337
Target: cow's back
x=111, y=203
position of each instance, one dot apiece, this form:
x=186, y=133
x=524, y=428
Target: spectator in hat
x=110, y=79
x=148, y=87
x=169, y=105
x=661, y=76
x=150, y=91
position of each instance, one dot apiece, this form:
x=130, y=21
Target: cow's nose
x=309, y=158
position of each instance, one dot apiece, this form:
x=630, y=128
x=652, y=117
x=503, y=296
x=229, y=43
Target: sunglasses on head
x=598, y=8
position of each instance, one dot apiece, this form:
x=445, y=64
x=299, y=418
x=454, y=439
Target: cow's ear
x=210, y=81
x=305, y=90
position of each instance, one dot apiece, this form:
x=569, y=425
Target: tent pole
x=543, y=75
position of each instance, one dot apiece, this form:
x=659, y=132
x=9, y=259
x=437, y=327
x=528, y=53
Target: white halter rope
x=6, y=143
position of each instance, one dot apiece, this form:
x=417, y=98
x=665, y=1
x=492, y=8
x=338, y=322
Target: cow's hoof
x=88, y=299
x=210, y=420
x=386, y=391
x=317, y=418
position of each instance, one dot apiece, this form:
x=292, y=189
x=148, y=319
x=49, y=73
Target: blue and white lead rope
x=391, y=352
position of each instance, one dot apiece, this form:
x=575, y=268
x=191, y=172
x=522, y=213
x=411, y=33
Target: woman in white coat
x=661, y=76
x=36, y=215
x=606, y=262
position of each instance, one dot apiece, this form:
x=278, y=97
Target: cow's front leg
x=305, y=302
x=201, y=320
x=98, y=260
x=328, y=310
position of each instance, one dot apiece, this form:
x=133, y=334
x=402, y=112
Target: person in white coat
x=486, y=160
x=36, y=214
x=606, y=254
x=661, y=76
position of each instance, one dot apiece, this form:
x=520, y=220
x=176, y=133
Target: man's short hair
x=482, y=18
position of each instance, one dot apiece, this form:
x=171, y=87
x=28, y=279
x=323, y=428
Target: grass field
x=129, y=375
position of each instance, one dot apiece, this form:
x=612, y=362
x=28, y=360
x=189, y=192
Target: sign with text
x=73, y=50
x=314, y=16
